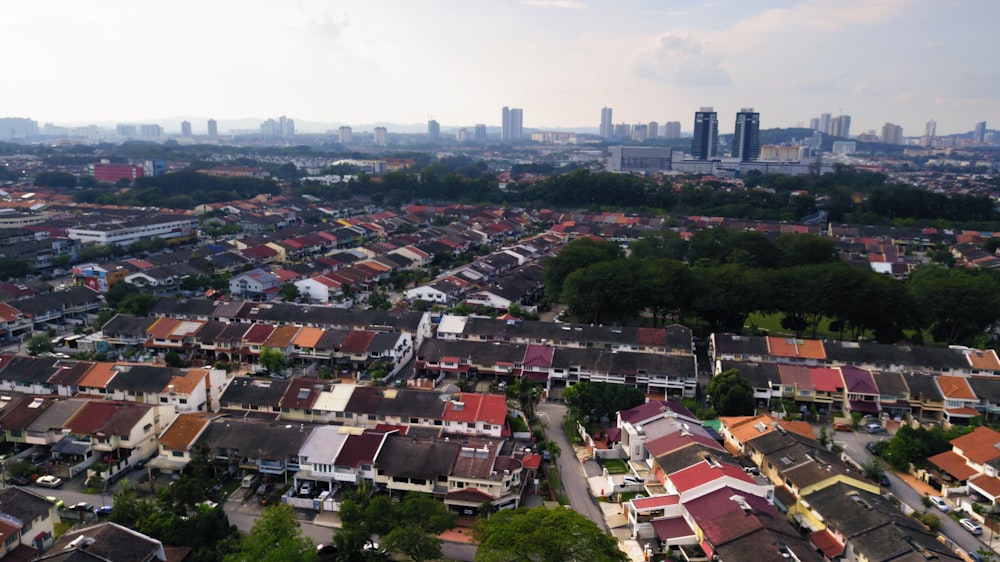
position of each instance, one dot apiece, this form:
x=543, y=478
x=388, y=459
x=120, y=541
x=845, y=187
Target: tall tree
x=544, y=535
x=955, y=303
x=574, y=256
x=275, y=537
x=731, y=394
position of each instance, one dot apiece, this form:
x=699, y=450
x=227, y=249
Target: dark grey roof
x=923, y=387
x=254, y=391
x=986, y=388
x=125, y=325
x=913, y=356
x=889, y=383
x=183, y=308
x=407, y=403
x=672, y=337
x=733, y=344
x=23, y=504
x=41, y=304
x=759, y=375
x=481, y=353
x=108, y=542
x=28, y=369
x=256, y=440
x=142, y=378
x=404, y=457
x=688, y=456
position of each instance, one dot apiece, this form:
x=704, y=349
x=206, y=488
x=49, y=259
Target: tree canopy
x=409, y=527
x=597, y=400
x=731, y=394
x=275, y=537
x=544, y=535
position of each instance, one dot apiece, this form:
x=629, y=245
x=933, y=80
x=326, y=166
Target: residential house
x=256, y=284
x=29, y=518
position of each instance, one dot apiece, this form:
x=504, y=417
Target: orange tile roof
x=745, y=428
x=308, y=337
x=189, y=381
x=955, y=387
x=184, y=431
x=988, y=484
x=791, y=347
x=282, y=336
x=98, y=376
x=952, y=463
x=979, y=446
x=983, y=359
x=162, y=328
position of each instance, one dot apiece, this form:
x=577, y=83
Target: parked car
x=59, y=503
x=938, y=502
x=104, y=510
x=305, y=489
x=81, y=506
x=971, y=526
x=326, y=550
x=48, y=481
x=19, y=480
x=872, y=448
x=884, y=481
x=842, y=427
x=875, y=428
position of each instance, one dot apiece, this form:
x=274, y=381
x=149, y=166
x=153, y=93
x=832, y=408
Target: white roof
x=451, y=324
x=335, y=400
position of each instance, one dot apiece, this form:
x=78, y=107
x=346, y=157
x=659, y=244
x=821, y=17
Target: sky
x=460, y=61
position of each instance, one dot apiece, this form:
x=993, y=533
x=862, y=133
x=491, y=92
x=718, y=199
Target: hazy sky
x=460, y=61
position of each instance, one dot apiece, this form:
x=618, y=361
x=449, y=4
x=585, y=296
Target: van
x=249, y=480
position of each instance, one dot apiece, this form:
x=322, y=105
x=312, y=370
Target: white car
x=971, y=526
x=939, y=503
x=48, y=481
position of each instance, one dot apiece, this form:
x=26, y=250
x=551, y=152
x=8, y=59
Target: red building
x=110, y=173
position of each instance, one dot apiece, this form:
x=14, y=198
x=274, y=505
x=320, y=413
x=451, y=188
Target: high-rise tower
x=746, y=139
x=513, y=119
x=213, y=128
x=607, y=126
x=705, y=142
x=433, y=130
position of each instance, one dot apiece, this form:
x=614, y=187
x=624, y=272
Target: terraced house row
x=899, y=381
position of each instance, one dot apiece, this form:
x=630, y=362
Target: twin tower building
x=746, y=138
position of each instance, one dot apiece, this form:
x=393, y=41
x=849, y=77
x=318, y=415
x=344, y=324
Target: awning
x=825, y=541
x=671, y=528
x=870, y=407
x=69, y=446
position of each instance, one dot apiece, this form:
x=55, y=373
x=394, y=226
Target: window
x=177, y=453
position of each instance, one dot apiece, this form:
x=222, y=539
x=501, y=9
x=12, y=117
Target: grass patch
x=616, y=466
x=62, y=527
x=569, y=426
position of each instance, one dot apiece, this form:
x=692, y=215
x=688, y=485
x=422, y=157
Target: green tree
x=731, y=394
x=288, y=292
x=955, y=303
x=595, y=401
x=274, y=360
x=872, y=469
x=543, y=535
x=173, y=359
x=39, y=343
x=275, y=537
x=574, y=256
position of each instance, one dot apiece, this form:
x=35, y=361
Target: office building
x=607, y=126
x=814, y=124
x=461, y=134
x=652, y=130
x=513, y=120
x=18, y=128
x=344, y=135
x=639, y=159
x=381, y=136
x=892, y=134
x=623, y=131
x=979, y=133
x=746, y=137
x=213, y=128
x=480, y=133
x=672, y=130
x=433, y=130
x=185, y=128
x=930, y=130
x=705, y=142
x=825, y=123
x=840, y=126
x=150, y=131
x=639, y=132
x=105, y=172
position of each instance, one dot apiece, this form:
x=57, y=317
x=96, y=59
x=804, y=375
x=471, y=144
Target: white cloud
x=564, y=4
x=680, y=59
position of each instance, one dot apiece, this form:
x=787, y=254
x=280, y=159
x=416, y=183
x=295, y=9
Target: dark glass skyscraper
x=746, y=140
x=705, y=143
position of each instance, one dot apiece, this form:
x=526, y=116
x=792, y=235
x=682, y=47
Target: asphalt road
x=573, y=478
x=854, y=446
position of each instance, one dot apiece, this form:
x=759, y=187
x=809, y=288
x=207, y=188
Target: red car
x=841, y=427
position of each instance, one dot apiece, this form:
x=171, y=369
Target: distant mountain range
x=199, y=126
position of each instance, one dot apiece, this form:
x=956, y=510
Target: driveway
x=573, y=477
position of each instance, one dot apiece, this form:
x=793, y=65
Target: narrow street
x=570, y=469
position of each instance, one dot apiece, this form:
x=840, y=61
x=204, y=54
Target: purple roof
x=538, y=356
x=652, y=409
x=859, y=381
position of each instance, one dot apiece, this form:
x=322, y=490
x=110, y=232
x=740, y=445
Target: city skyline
x=899, y=61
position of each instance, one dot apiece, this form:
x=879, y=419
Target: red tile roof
x=702, y=473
